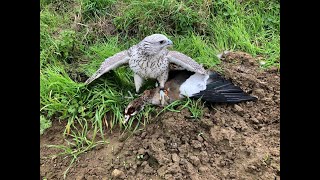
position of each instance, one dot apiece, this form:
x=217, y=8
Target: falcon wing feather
x=185, y=62
x=109, y=64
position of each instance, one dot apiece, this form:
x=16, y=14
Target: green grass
x=75, y=40
x=80, y=142
x=194, y=106
x=44, y=124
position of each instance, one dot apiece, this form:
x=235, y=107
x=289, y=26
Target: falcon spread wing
x=109, y=64
x=185, y=62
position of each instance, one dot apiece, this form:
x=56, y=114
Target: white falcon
x=150, y=59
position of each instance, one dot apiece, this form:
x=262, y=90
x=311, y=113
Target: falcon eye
x=161, y=42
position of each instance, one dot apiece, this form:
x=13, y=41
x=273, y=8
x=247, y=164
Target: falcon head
x=154, y=43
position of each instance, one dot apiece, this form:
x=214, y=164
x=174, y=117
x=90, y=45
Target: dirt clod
x=196, y=144
x=117, y=174
x=195, y=160
x=238, y=108
x=203, y=169
x=175, y=158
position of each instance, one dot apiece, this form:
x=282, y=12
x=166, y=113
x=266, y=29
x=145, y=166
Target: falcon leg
x=138, y=81
x=162, y=81
x=162, y=96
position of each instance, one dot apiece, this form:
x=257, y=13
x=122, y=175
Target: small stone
x=123, y=137
x=143, y=134
x=238, y=108
x=168, y=176
x=175, y=158
x=92, y=177
x=178, y=176
x=196, y=144
x=206, y=144
x=127, y=153
x=51, y=138
x=253, y=167
x=137, y=133
x=192, y=172
x=117, y=149
x=174, y=169
x=83, y=165
x=162, y=171
x=183, y=161
x=141, y=151
x=259, y=92
x=206, y=123
x=194, y=177
x=117, y=174
x=207, y=115
x=162, y=140
x=195, y=160
x=80, y=177
x=148, y=169
x=144, y=163
x=134, y=167
x=99, y=147
x=200, y=138
x=138, y=163
x=259, y=117
x=232, y=174
x=131, y=172
x=254, y=120
x=203, y=169
x=204, y=157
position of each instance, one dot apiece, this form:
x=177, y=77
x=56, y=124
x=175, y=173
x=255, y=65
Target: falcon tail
x=220, y=90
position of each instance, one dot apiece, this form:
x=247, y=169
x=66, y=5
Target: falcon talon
x=162, y=96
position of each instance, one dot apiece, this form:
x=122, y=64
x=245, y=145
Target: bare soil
x=239, y=141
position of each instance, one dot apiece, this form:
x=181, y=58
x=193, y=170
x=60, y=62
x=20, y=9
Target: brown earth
x=230, y=142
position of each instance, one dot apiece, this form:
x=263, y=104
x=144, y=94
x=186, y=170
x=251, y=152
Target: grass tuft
x=44, y=124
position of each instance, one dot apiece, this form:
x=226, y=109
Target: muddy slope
x=230, y=142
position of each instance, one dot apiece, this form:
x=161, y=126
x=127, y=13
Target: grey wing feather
x=109, y=64
x=185, y=61
x=173, y=66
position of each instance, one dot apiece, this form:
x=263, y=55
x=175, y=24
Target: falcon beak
x=169, y=43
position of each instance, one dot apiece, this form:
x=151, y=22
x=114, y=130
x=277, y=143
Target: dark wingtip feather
x=220, y=90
